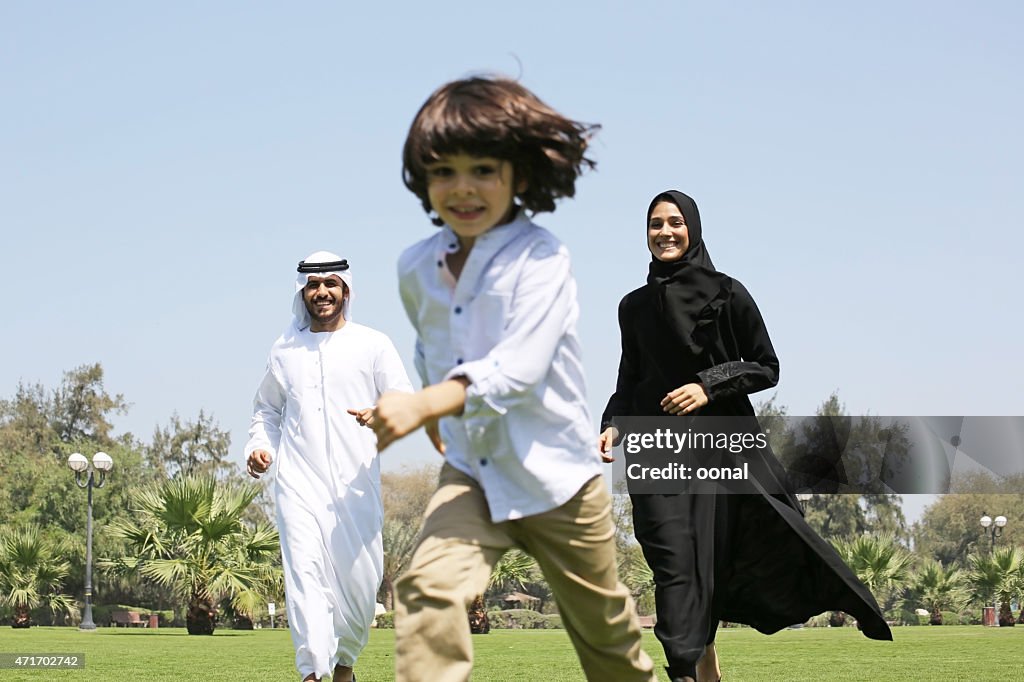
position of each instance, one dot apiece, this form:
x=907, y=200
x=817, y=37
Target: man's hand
x=605, y=442
x=685, y=399
x=363, y=416
x=258, y=463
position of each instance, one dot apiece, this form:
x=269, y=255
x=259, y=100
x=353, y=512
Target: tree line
x=179, y=528
x=176, y=529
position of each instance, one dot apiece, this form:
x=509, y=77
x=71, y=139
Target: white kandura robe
x=326, y=483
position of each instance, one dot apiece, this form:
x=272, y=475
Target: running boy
x=493, y=301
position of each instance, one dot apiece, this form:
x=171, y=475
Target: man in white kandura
x=323, y=377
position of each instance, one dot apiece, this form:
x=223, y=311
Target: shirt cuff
x=483, y=378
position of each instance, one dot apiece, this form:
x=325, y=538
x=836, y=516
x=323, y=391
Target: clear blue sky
x=858, y=166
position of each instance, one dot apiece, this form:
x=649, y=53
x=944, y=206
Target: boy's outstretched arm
x=399, y=414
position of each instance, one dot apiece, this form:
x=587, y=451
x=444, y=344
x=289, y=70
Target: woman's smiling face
x=667, y=236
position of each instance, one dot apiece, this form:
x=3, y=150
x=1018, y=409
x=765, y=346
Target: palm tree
x=998, y=575
x=514, y=570
x=638, y=577
x=399, y=539
x=188, y=536
x=32, y=573
x=880, y=562
x=935, y=588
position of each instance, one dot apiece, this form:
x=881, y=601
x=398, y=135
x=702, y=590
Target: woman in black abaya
x=694, y=343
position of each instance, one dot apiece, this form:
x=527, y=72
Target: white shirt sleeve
x=408, y=293
x=419, y=361
x=389, y=372
x=268, y=409
x=542, y=310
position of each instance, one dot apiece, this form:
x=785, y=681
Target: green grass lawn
x=168, y=654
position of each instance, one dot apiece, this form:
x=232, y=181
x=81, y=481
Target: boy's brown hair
x=498, y=117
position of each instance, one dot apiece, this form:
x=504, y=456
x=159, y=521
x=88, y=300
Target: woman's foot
x=708, y=669
x=343, y=674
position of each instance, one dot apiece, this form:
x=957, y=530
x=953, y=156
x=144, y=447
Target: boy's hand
x=363, y=416
x=258, y=463
x=434, y=434
x=397, y=415
x=685, y=399
x=605, y=442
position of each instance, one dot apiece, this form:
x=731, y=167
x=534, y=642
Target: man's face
x=324, y=298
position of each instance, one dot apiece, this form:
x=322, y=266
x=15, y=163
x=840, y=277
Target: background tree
x=880, y=562
x=937, y=589
x=844, y=455
x=999, y=575
x=81, y=406
x=516, y=570
x=32, y=574
x=25, y=422
x=632, y=567
x=949, y=530
x=39, y=428
x=773, y=418
x=399, y=541
x=191, y=448
x=405, y=495
x=622, y=519
x=36, y=487
x=638, y=577
x=188, y=536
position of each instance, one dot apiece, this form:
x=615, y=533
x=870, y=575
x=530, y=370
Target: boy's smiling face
x=472, y=194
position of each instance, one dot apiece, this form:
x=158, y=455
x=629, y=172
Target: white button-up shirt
x=509, y=326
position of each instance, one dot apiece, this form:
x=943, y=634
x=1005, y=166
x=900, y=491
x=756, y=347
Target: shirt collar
x=493, y=239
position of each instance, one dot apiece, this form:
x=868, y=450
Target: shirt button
x=458, y=309
x=458, y=361
x=440, y=264
x=483, y=462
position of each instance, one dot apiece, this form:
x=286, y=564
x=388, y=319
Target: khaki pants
x=459, y=547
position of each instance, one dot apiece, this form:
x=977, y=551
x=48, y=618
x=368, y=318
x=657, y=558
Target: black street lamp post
x=85, y=477
x=994, y=527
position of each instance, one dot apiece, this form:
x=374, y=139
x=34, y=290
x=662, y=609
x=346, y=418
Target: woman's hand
x=605, y=442
x=685, y=399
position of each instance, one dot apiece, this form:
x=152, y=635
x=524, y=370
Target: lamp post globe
x=101, y=461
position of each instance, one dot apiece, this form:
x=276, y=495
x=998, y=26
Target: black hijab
x=689, y=292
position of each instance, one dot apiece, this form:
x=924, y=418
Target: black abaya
x=742, y=558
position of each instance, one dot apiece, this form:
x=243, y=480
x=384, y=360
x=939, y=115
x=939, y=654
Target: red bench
x=127, y=619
